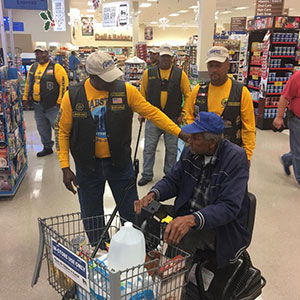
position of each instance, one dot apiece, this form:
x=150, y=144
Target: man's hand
x=278, y=122
x=178, y=228
x=69, y=180
x=180, y=119
x=145, y=201
x=141, y=119
x=186, y=137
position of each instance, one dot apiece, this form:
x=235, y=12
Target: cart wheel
x=70, y=294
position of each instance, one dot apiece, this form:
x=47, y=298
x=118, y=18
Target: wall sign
x=58, y=11
x=26, y=4
x=87, y=26
x=112, y=37
x=269, y=7
x=17, y=26
x=238, y=24
x=148, y=33
x=115, y=14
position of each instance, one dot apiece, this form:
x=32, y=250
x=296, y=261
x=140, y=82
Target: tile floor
x=275, y=246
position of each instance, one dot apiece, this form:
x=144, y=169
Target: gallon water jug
x=127, y=248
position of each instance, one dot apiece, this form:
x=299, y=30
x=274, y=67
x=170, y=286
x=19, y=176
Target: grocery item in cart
x=127, y=248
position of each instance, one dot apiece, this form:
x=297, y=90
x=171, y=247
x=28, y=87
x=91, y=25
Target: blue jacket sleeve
x=229, y=199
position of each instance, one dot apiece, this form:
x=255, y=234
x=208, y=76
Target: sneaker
x=286, y=167
x=44, y=152
x=143, y=181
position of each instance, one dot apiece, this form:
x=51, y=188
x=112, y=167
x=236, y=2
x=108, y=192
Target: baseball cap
x=40, y=48
x=205, y=122
x=101, y=64
x=165, y=49
x=154, y=50
x=217, y=53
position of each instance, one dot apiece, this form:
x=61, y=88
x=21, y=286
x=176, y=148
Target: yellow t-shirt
x=60, y=76
x=97, y=102
x=165, y=74
x=216, y=96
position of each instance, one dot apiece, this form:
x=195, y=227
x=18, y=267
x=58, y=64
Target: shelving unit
x=272, y=57
x=191, y=52
x=13, y=157
x=133, y=70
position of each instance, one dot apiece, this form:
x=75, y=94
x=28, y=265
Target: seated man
x=210, y=185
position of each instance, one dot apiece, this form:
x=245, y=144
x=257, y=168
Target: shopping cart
x=65, y=247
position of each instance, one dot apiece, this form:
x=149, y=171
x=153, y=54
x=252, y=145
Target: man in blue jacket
x=210, y=185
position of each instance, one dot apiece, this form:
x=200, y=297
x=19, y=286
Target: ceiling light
x=90, y=10
x=154, y=22
x=193, y=7
x=241, y=8
x=152, y=0
x=183, y=11
x=173, y=15
x=226, y=12
x=145, y=4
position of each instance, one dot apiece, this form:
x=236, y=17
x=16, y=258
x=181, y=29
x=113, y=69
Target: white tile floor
x=274, y=249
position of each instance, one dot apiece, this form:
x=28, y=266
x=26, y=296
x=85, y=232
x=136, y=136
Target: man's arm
x=144, y=84
x=248, y=123
x=278, y=121
x=140, y=105
x=26, y=89
x=62, y=80
x=186, y=91
x=189, y=105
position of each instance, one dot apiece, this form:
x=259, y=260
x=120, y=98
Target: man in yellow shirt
x=95, y=123
x=154, y=57
x=164, y=87
x=227, y=98
x=45, y=85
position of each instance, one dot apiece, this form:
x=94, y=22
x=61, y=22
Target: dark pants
x=91, y=191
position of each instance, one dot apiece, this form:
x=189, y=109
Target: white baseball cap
x=154, y=50
x=101, y=64
x=165, y=49
x=217, y=53
x=40, y=48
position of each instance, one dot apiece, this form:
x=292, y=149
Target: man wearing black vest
x=227, y=98
x=45, y=85
x=95, y=123
x=164, y=87
x=154, y=57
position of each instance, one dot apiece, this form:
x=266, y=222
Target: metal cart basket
x=64, y=243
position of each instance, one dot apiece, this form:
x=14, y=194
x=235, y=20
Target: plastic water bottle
x=127, y=248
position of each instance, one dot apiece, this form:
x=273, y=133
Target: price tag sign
x=231, y=51
x=277, y=83
x=255, y=77
x=256, y=53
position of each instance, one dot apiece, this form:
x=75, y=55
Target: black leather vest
x=118, y=124
x=49, y=88
x=172, y=86
x=232, y=112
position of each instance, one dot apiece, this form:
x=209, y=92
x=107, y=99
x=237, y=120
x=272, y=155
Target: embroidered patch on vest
x=118, y=107
x=49, y=72
x=79, y=114
x=234, y=103
x=49, y=85
x=117, y=94
x=79, y=107
x=224, y=102
x=117, y=100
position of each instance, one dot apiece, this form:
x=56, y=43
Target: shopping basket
x=65, y=247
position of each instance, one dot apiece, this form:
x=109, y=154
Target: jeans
x=293, y=157
x=91, y=191
x=152, y=135
x=45, y=119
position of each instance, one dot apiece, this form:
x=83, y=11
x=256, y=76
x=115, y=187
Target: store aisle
x=274, y=249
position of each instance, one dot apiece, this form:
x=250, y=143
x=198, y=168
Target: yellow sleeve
x=62, y=80
x=185, y=90
x=140, y=105
x=189, y=105
x=26, y=89
x=144, y=85
x=248, y=123
x=63, y=129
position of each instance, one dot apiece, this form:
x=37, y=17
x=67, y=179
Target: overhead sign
x=115, y=14
x=17, y=26
x=269, y=7
x=26, y=4
x=238, y=24
x=58, y=10
x=70, y=264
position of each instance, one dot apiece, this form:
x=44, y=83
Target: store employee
x=45, y=85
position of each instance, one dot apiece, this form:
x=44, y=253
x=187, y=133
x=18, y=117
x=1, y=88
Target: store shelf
x=255, y=65
x=283, y=56
x=271, y=106
x=288, y=69
x=277, y=81
x=253, y=87
x=256, y=101
x=273, y=94
x=284, y=43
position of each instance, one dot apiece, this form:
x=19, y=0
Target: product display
x=134, y=68
x=13, y=158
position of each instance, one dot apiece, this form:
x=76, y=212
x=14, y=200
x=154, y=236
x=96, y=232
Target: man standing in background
x=45, y=85
x=74, y=62
x=164, y=87
x=290, y=98
x=226, y=97
x=154, y=57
